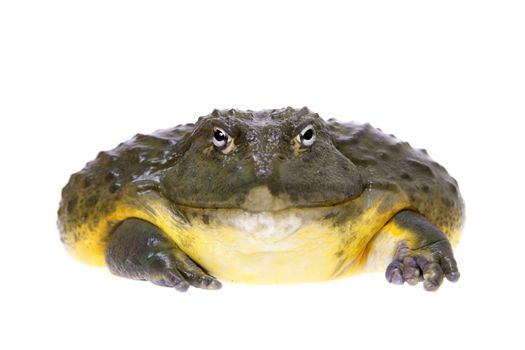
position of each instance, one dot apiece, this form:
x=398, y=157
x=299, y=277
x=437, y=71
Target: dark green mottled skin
x=346, y=160
x=393, y=165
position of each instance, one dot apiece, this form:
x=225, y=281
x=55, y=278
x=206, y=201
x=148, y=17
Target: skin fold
x=272, y=196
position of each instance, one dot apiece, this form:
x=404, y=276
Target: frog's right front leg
x=140, y=250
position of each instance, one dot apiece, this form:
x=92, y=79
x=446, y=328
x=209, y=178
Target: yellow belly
x=290, y=246
x=287, y=246
x=289, y=251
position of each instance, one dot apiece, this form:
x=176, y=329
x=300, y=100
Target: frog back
x=118, y=184
x=391, y=165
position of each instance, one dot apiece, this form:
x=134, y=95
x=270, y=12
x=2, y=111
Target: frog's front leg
x=140, y=250
x=423, y=252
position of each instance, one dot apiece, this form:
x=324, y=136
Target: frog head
x=267, y=160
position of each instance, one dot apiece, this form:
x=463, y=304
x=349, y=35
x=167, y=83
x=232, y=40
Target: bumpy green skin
x=393, y=165
x=133, y=168
x=179, y=164
x=320, y=176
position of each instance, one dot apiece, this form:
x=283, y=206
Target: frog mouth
x=260, y=200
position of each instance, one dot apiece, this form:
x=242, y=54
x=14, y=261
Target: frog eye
x=222, y=140
x=307, y=136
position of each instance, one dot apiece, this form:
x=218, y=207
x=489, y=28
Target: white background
x=77, y=77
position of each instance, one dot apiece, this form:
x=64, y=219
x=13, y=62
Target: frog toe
x=194, y=274
x=173, y=268
x=172, y=279
x=394, y=273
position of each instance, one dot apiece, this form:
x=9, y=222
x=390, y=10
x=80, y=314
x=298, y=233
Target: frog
x=273, y=196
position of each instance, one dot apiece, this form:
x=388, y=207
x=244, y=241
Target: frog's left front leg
x=423, y=252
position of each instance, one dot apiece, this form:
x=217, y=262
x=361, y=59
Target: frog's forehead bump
x=268, y=133
x=265, y=117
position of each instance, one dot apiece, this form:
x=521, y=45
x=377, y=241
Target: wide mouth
x=260, y=200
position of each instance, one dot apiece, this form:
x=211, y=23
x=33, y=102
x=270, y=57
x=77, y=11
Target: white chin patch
x=259, y=199
x=266, y=227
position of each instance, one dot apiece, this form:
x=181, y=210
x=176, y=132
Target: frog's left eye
x=221, y=140
x=307, y=136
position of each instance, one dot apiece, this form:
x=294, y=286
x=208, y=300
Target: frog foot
x=428, y=264
x=139, y=250
x=173, y=268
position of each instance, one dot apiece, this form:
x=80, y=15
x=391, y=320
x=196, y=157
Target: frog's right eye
x=221, y=140
x=307, y=136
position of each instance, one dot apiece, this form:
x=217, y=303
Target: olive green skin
x=181, y=165
x=262, y=157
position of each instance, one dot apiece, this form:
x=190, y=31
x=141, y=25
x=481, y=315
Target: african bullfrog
x=271, y=196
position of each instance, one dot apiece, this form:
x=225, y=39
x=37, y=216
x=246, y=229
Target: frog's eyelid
x=299, y=128
x=218, y=124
